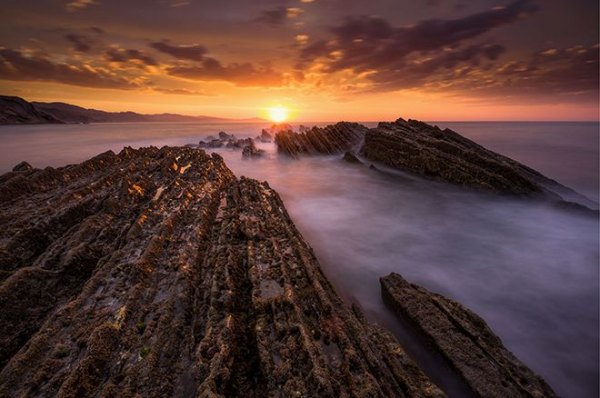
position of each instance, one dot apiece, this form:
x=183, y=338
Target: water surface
x=529, y=270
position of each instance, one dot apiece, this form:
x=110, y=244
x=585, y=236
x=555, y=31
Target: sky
x=324, y=60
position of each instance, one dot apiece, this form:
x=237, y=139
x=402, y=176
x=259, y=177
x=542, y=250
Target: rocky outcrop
x=264, y=136
x=431, y=152
x=155, y=272
x=464, y=340
x=445, y=155
x=23, y=166
x=15, y=110
x=225, y=140
x=251, y=151
x=334, y=139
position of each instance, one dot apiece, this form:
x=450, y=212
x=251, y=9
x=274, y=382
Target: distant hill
x=15, y=110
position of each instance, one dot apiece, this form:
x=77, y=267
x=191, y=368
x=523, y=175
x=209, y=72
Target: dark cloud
x=178, y=91
x=279, y=15
x=369, y=43
x=572, y=71
x=122, y=55
x=437, y=68
x=548, y=76
x=14, y=65
x=275, y=16
x=410, y=56
x=193, y=52
x=241, y=74
x=433, y=3
x=81, y=43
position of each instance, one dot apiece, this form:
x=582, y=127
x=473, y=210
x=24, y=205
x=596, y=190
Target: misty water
x=530, y=270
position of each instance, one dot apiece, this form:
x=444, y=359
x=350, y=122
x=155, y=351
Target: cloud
x=77, y=5
x=370, y=42
x=122, y=55
x=275, y=16
x=390, y=56
x=192, y=52
x=81, y=43
x=436, y=69
x=179, y=91
x=15, y=65
x=279, y=15
x=571, y=71
x=241, y=74
x=302, y=39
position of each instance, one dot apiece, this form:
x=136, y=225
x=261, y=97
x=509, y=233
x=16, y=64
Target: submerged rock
x=155, y=272
x=464, y=340
x=239, y=143
x=264, y=136
x=223, y=136
x=250, y=150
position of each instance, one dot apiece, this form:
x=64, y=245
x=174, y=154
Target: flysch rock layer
x=464, y=340
x=330, y=140
x=157, y=273
x=431, y=152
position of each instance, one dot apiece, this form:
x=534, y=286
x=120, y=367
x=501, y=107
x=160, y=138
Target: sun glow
x=278, y=114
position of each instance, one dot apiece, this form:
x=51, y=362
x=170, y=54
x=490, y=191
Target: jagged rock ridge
x=155, y=272
x=334, y=139
x=429, y=151
x=464, y=340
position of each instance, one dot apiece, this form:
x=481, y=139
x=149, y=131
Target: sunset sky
x=324, y=59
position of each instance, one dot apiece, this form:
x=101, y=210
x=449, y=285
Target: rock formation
x=155, y=272
x=464, y=340
x=445, y=155
x=225, y=140
x=23, y=166
x=251, y=151
x=264, y=136
x=428, y=151
x=334, y=139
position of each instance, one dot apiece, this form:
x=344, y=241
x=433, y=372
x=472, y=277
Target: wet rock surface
x=419, y=148
x=251, y=151
x=23, y=166
x=464, y=340
x=330, y=140
x=155, y=272
x=446, y=155
x=264, y=136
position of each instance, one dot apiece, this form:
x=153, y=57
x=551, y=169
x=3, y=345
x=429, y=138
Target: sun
x=278, y=114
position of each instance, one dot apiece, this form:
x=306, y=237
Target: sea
x=530, y=270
